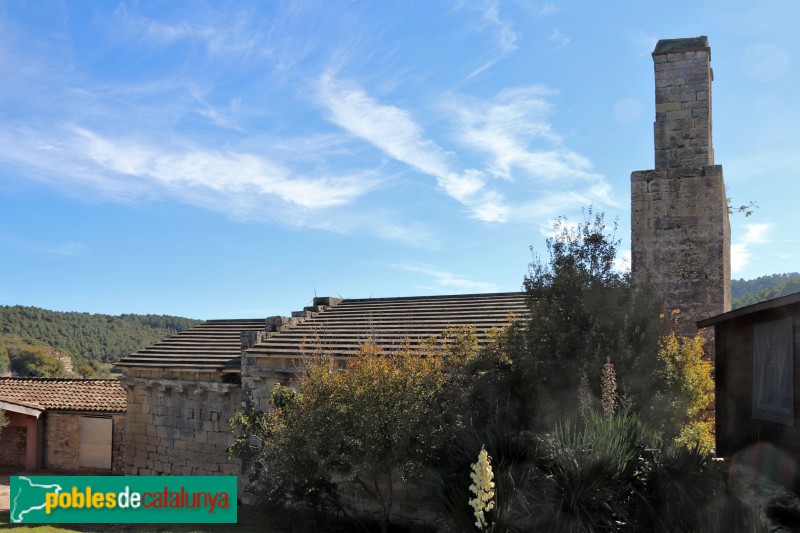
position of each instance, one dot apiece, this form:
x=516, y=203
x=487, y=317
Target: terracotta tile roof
x=209, y=345
x=392, y=323
x=64, y=394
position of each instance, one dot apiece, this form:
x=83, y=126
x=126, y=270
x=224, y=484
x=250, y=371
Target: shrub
x=584, y=311
x=378, y=421
x=689, y=387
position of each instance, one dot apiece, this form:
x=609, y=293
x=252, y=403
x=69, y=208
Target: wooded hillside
x=751, y=291
x=33, y=337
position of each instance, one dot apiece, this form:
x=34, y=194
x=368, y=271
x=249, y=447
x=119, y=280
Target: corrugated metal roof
x=64, y=394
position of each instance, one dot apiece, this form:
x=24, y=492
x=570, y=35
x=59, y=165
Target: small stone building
x=182, y=391
x=180, y=398
x=71, y=425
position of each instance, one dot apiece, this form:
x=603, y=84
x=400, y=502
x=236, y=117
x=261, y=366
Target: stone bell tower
x=680, y=233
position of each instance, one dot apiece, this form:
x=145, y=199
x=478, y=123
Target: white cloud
x=388, y=127
x=546, y=9
x=394, y=131
x=510, y=135
x=239, y=184
x=234, y=36
x=506, y=36
x=445, y=280
x=220, y=172
x=558, y=40
x=622, y=263
x=506, y=128
x=741, y=250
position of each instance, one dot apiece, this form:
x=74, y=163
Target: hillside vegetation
x=751, y=291
x=33, y=339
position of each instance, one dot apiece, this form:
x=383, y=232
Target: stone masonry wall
x=179, y=426
x=680, y=233
x=12, y=446
x=681, y=240
x=62, y=442
x=682, y=129
x=260, y=374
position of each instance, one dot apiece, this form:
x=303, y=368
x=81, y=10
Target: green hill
x=748, y=292
x=31, y=336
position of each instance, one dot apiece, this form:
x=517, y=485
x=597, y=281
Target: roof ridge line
x=438, y=296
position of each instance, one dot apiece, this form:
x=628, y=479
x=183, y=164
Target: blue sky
x=233, y=159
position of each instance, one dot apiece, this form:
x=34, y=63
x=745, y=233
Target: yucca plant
x=591, y=471
x=448, y=483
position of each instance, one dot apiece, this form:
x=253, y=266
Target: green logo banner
x=120, y=500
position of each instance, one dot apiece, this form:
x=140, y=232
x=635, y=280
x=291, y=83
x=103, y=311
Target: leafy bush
x=378, y=421
x=688, y=384
x=36, y=362
x=5, y=362
x=584, y=311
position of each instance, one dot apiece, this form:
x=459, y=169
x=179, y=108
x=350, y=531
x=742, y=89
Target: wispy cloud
x=558, y=40
x=538, y=10
x=546, y=9
x=443, y=279
x=222, y=172
x=395, y=132
x=506, y=36
x=236, y=182
x=219, y=116
x=513, y=131
x=507, y=126
x=622, y=263
x=235, y=36
x=510, y=135
x=741, y=250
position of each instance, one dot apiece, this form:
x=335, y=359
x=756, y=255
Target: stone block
x=680, y=114
x=665, y=107
x=220, y=439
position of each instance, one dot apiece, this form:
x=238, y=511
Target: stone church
x=182, y=391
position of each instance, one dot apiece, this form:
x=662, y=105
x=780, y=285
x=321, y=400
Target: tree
x=377, y=421
x=5, y=362
x=583, y=312
x=31, y=361
x=3, y=420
